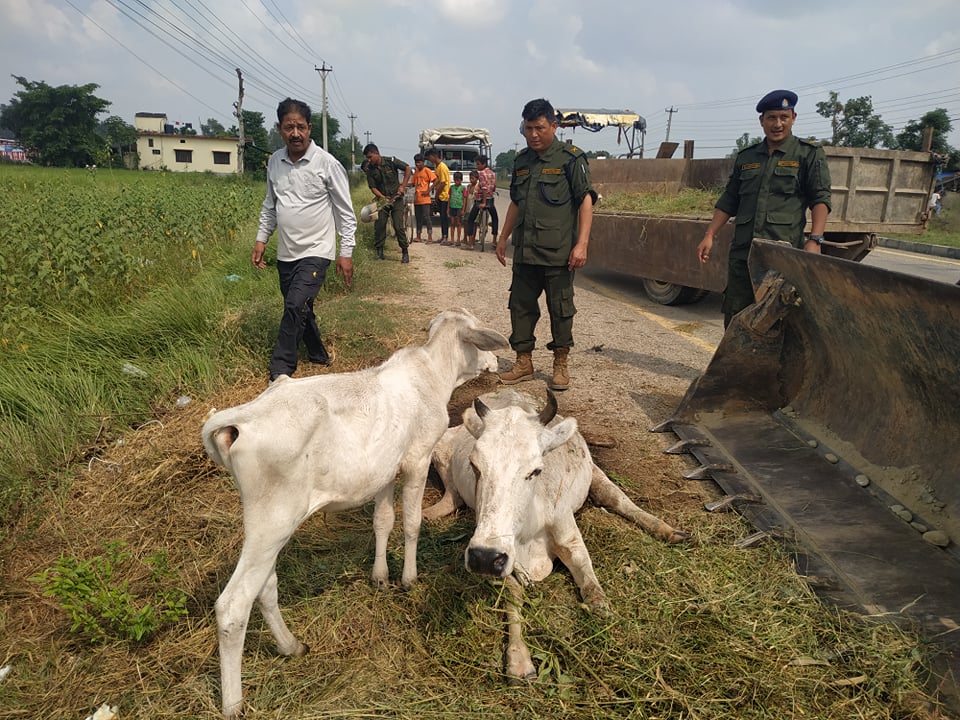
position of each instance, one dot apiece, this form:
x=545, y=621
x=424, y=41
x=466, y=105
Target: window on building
x=221, y=158
x=156, y=151
x=150, y=142
x=183, y=156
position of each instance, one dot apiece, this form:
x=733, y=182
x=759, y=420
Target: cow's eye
x=534, y=474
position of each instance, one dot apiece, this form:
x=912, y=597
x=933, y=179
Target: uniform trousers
x=300, y=282
x=527, y=284
x=393, y=213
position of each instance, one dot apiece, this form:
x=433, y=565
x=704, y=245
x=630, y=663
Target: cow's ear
x=554, y=437
x=472, y=419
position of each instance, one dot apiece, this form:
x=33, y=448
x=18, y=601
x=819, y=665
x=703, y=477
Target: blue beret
x=777, y=100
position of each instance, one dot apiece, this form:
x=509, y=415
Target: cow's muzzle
x=485, y=561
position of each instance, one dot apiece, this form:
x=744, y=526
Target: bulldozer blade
x=683, y=447
x=843, y=372
x=727, y=502
x=706, y=472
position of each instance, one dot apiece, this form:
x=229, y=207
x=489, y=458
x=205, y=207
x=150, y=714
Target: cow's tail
x=219, y=434
x=605, y=493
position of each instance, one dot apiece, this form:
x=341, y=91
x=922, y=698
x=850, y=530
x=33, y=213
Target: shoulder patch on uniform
x=788, y=163
x=522, y=172
x=811, y=142
x=552, y=171
x=750, y=166
x=572, y=150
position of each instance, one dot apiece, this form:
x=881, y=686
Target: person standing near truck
x=550, y=216
x=424, y=180
x=383, y=179
x=486, y=190
x=772, y=185
x=442, y=191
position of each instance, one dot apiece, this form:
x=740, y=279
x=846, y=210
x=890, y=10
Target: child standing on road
x=470, y=196
x=457, y=191
x=423, y=180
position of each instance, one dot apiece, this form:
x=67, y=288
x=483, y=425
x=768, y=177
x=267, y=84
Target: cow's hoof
x=301, y=651
x=678, y=536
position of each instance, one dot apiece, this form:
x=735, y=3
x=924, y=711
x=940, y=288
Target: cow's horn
x=481, y=409
x=550, y=409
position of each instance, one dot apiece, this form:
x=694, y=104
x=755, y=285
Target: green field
x=128, y=291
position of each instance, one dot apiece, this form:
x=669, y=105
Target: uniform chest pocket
x=785, y=180
x=519, y=186
x=554, y=189
x=749, y=180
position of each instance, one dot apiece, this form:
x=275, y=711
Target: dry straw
x=704, y=632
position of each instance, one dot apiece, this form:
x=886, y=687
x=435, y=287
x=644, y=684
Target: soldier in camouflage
x=549, y=218
x=772, y=185
x=383, y=179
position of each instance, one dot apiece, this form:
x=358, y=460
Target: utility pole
x=353, y=144
x=323, y=70
x=238, y=105
x=670, y=113
x=367, y=133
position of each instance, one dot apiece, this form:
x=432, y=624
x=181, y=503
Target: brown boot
x=561, y=375
x=522, y=370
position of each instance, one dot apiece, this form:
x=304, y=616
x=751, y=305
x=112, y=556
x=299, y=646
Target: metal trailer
x=874, y=192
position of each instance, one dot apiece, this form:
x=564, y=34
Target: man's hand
x=703, y=249
x=578, y=257
x=502, y=250
x=256, y=257
x=812, y=246
x=345, y=269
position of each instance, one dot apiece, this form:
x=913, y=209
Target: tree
x=254, y=132
x=854, y=123
x=58, y=124
x=119, y=134
x=743, y=142
x=213, y=127
x=911, y=138
x=504, y=160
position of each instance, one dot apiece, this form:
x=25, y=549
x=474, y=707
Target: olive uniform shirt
x=385, y=177
x=769, y=193
x=548, y=190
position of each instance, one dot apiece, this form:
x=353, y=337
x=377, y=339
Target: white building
x=161, y=148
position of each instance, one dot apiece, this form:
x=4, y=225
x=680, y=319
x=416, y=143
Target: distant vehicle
x=459, y=146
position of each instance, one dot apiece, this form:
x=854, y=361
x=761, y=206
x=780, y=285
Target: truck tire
x=667, y=293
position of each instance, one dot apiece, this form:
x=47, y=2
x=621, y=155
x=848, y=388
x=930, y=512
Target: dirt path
x=627, y=372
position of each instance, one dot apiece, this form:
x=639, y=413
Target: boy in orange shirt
x=423, y=180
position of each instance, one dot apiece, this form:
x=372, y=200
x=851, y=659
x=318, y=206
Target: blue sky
x=403, y=65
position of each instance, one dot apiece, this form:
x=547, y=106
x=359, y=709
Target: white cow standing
x=525, y=479
x=331, y=443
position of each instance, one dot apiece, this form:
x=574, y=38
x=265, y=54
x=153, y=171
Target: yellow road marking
x=658, y=319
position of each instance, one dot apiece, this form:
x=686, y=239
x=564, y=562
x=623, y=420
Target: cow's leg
x=572, y=551
x=233, y=613
x=605, y=493
x=382, y=525
x=287, y=644
x=414, y=483
x=519, y=663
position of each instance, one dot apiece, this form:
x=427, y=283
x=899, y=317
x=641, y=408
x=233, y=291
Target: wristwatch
x=818, y=239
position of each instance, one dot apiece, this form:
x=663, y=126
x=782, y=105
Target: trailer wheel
x=667, y=293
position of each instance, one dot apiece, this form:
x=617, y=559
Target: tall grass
x=90, y=348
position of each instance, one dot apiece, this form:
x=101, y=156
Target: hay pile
x=696, y=632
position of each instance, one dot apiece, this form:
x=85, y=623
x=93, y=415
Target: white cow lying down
x=525, y=479
x=329, y=443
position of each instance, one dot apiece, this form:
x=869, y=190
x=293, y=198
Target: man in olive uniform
x=772, y=185
x=383, y=179
x=550, y=215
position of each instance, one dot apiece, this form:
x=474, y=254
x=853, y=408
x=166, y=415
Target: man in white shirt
x=307, y=202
